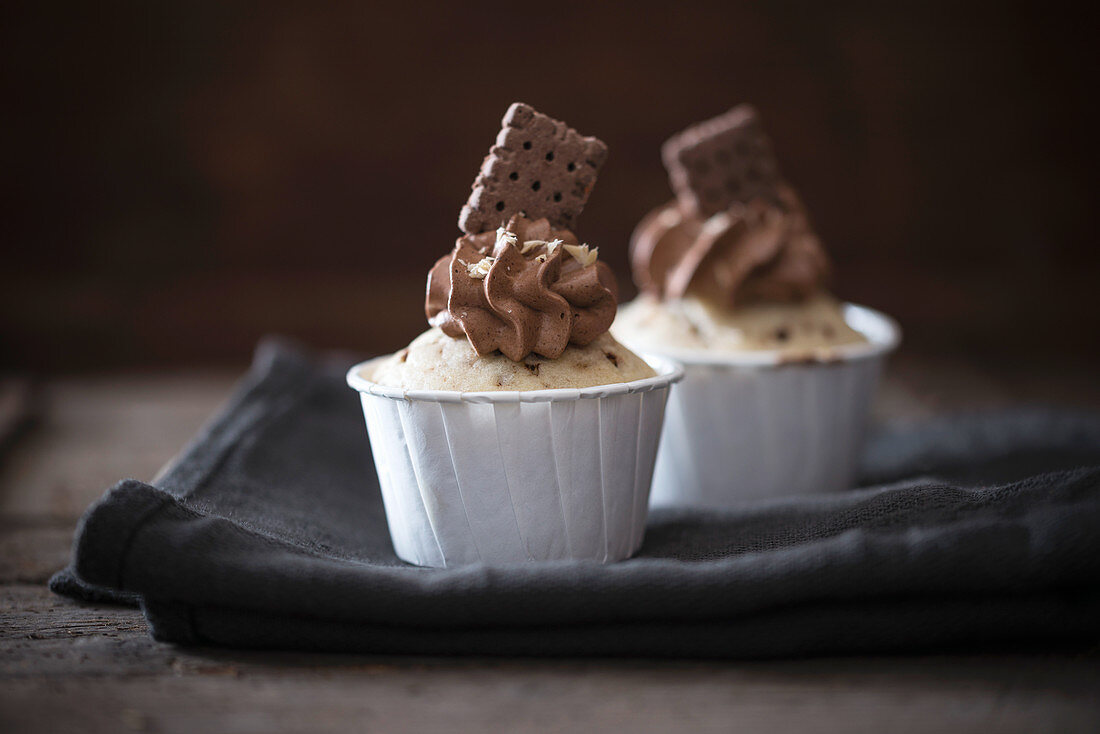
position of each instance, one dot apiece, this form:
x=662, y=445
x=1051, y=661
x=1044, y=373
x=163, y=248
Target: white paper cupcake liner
x=505, y=477
x=743, y=427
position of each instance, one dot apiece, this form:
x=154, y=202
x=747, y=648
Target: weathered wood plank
x=46, y=635
x=31, y=551
x=66, y=664
x=34, y=613
x=96, y=431
x=523, y=696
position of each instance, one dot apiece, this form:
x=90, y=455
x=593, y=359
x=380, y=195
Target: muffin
x=435, y=361
x=733, y=283
x=517, y=428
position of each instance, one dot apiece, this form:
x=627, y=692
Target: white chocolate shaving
x=505, y=236
x=479, y=269
x=532, y=244
x=582, y=254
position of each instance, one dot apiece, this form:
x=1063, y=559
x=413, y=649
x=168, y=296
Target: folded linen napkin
x=269, y=532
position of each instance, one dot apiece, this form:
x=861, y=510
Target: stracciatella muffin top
x=526, y=306
x=811, y=327
x=732, y=263
x=435, y=361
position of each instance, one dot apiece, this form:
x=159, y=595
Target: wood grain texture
x=95, y=431
x=70, y=666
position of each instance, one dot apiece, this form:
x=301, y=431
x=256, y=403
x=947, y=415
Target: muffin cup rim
x=884, y=337
x=669, y=371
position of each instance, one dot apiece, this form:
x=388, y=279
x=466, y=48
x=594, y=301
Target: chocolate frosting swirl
x=761, y=251
x=539, y=301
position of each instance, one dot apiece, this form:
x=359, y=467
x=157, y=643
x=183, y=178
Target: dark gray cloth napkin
x=269, y=532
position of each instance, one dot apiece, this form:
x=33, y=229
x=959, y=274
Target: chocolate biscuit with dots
x=539, y=167
x=722, y=161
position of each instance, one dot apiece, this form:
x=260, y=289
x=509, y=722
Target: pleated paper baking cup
x=505, y=477
x=751, y=426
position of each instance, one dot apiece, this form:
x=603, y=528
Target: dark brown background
x=183, y=177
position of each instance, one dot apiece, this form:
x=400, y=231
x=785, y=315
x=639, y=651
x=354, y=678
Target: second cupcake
x=779, y=374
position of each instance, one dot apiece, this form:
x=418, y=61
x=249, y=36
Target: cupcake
x=517, y=428
x=733, y=283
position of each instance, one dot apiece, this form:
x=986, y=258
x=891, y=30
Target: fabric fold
x=269, y=531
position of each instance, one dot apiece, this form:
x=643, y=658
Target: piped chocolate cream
x=763, y=250
x=526, y=288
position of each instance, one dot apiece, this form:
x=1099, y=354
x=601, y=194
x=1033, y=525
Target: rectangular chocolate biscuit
x=539, y=167
x=722, y=161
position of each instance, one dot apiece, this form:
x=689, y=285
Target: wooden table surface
x=68, y=666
